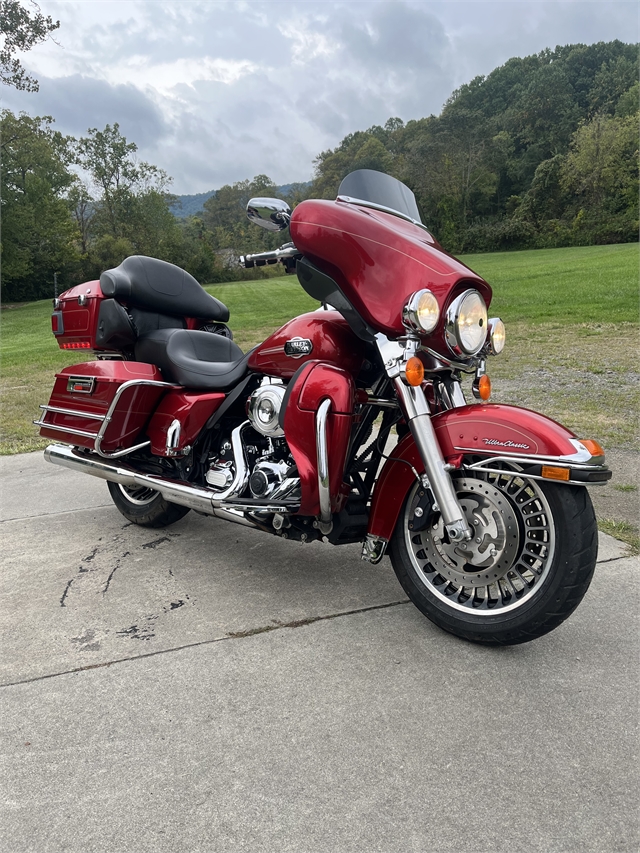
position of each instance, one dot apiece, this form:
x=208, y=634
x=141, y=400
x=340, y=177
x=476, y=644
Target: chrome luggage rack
x=105, y=420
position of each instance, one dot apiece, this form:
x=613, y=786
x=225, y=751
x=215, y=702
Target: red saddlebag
x=103, y=405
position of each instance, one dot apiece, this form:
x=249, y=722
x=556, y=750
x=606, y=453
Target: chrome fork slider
x=418, y=416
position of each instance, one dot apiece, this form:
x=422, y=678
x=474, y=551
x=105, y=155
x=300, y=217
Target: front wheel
x=144, y=506
x=527, y=568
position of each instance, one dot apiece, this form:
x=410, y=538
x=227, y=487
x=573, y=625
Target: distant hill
x=189, y=205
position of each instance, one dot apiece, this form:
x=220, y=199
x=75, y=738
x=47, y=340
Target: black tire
x=539, y=577
x=145, y=507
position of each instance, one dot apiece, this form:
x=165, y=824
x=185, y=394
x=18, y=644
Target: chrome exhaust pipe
x=184, y=494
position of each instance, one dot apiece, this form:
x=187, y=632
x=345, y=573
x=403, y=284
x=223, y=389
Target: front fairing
x=378, y=261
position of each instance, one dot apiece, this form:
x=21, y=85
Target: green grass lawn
x=572, y=326
x=591, y=284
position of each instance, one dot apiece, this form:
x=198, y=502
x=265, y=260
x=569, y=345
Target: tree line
x=542, y=152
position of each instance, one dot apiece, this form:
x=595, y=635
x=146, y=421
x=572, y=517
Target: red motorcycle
x=482, y=508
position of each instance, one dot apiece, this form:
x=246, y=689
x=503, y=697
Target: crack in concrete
x=614, y=559
x=237, y=635
x=47, y=514
x=65, y=593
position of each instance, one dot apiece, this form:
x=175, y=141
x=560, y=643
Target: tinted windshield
x=376, y=187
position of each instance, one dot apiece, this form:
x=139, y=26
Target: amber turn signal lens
x=414, y=371
x=549, y=472
x=484, y=387
x=592, y=446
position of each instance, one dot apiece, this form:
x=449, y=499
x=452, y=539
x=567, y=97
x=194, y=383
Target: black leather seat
x=162, y=288
x=199, y=360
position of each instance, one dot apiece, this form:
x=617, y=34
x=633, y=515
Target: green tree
x=600, y=174
x=21, y=30
x=225, y=218
x=38, y=232
x=118, y=178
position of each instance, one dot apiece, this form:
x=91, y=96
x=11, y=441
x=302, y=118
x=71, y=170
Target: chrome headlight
x=421, y=312
x=466, y=324
x=497, y=335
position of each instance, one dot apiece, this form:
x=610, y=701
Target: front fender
x=478, y=430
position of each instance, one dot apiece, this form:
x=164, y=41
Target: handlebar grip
x=261, y=259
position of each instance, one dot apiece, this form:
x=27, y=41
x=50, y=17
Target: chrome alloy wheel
x=139, y=495
x=510, y=554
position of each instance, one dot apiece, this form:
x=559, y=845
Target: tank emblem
x=297, y=347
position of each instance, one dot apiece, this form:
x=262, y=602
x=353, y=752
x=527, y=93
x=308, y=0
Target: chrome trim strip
x=361, y=202
x=557, y=461
x=566, y=461
x=75, y=414
x=486, y=469
x=322, y=453
x=249, y=506
x=70, y=430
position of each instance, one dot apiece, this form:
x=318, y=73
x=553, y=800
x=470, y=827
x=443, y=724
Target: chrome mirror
x=270, y=213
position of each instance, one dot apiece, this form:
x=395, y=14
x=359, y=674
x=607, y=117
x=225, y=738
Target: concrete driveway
x=210, y=688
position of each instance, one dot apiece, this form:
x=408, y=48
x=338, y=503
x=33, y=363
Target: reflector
x=549, y=472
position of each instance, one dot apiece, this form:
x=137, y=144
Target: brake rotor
x=491, y=552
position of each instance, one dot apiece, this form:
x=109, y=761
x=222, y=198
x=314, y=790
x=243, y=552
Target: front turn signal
x=414, y=371
x=482, y=388
x=592, y=446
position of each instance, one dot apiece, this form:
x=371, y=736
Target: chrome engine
x=255, y=465
x=264, y=409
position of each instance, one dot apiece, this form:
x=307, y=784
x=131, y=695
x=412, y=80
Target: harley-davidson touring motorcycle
x=348, y=424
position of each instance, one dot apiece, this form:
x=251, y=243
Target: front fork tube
x=416, y=410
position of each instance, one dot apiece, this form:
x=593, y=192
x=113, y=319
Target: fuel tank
x=378, y=260
x=318, y=335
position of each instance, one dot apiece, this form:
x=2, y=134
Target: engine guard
x=491, y=434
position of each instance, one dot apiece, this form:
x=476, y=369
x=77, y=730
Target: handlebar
x=261, y=259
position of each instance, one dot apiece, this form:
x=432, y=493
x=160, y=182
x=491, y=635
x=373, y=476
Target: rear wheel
x=145, y=506
x=526, y=569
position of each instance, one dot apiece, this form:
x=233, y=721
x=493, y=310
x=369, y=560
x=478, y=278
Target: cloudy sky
x=218, y=91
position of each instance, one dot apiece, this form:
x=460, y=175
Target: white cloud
x=215, y=92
